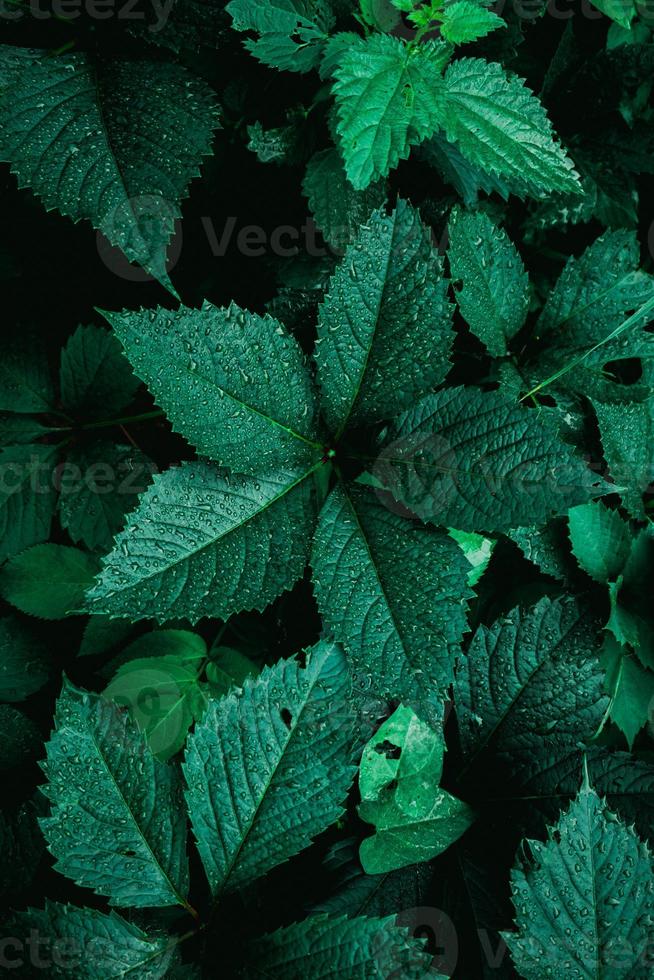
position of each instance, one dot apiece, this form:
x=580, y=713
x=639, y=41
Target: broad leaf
x=291, y=32
x=399, y=779
x=24, y=662
x=338, y=209
x=584, y=899
x=95, y=378
x=385, y=327
x=501, y=127
x=104, y=782
x=390, y=97
x=233, y=383
x=366, y=561
x=601, y=540
x=275, y=755
x=465, y=20
x=477, y=461
x=116, y=142
x=48, y=580
x=490, y=281
x=203, y=542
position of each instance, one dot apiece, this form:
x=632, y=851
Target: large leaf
x=109, y=796
x=27, y=496
x=414, y=819
x=477, y=461
x=385, y=327
x=232, y=382
x=501, y=127
x=390, y=97
x=339, y=948
x=203, y=542
x=529, y=689
x=491, y=284
x=116, y=142
x=366, y=561
x=268, y=768
x=584, y=899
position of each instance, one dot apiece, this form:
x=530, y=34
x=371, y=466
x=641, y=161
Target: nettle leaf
x=114, y=141
x=24, y=663
x=490, y=281
x=465, y=21
x=584, y=899
x=107, y=945
x=275, y=754
x=48, y=580
x=530, y=688
x=203, y=542
x=27, y=496
x=627, y=433
x=340, y=948
x=25, y=379
x=366, y=561
x=390, y=97
x=601, y=540
x=338, y=209
x=467, y=180
x=478, y=461
x=501, y=127
x=104, y=782
x=233, y=383
x=291, y=33
x=414, y=819
x=96, y=379
x=385, y=326
x=631, y=689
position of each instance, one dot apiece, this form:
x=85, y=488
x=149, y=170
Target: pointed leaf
x=627, y=433
x=339, y=210
x=95, y=377
x=601, y=540
x=48, y=580
x=291, y=32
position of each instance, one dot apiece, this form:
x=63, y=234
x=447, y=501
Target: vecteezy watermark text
x=153, y=13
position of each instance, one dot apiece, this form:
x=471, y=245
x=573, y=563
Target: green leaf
x=102, y=634
x=228, y=668
x=96, y=945
x=385, y=327
x=465, y=20
x=390, y=97
x=478, y=461
x=25, y=379
x=583, y=899
x=338, y=209
x=24, y=663
x=233, y=383
x=19, y=429
x=104, y=782
x=620, y=11
x=203, y=542
x=631, y=689
x=632, y=620
x=339, y=948
x=22, y=847
x=381, y=14
x=114, y=141
x=182, y=25
x=20, y=739
x=273, y=755
x=414, y=819
x=627, y=433
x=48, y=580
x=477, y=549
x=493, y=285
x=501, y=127
x=601, y=540
x=366, y=561
x=530, y=686
x=467, y=180
x=291, y=32
x=27, y=496
x=163, y=696
x=547, y=547
x=95, y=377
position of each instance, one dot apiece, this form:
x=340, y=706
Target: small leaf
x=631, y=688
x=627, y=433
x=95, y=377
x=465, y=21
x=338, y=209
x=291, y=34
x=48, y=580
x=601, y=540
x=228, y=668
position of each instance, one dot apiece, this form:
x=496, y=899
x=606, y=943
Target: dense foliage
x=326, y=473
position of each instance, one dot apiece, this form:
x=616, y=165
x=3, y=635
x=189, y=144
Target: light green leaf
x=530, y=686
x=24, y=663
x=114, y=141
x=48, y=580
x=232, y=382
x=465, y=20
x=27, y=496
x=291, y=32
x=620, y=11
x=339, y=948
x=601, y=540
x=584, y=898
x=104, y=782
x=627, y=433
x=477, y=461
x=203, y=542
x=390, y=97
x=501, y=127
x=385, y=327
x=273, y=755
x=96, y=379
x=490, y=281
x=366, y=561
x=338, y=209
x=477, y=549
